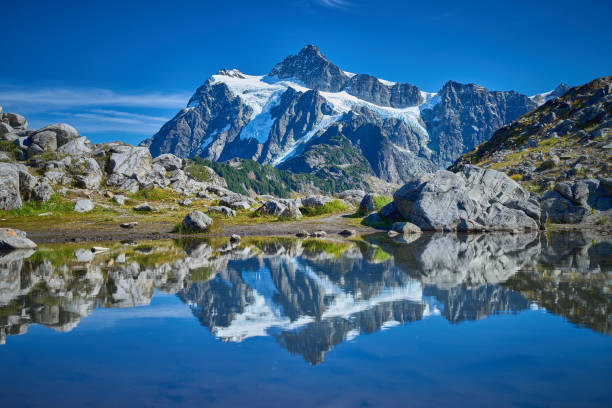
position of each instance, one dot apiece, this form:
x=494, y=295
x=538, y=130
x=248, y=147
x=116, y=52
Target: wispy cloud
x=104, y=112
x=82, y=97
x=335, y=4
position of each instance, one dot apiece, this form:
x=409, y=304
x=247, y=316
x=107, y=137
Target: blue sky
x=119, y=69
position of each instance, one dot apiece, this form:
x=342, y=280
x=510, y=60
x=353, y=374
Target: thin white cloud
x=335, y=4
x=94, y=110
x=105, y=121
x=53, y=98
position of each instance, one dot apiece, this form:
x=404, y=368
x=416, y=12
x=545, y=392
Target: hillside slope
x=567, y=138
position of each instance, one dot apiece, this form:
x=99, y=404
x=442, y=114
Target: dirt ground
x=85, y=231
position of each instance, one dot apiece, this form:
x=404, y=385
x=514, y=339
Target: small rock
x=186, y=202
x=392, y=233
x=290, y=213
x=235, y=238
x=319, y=234
x=109, y=194
x=144, y=207
x=128, y=225
x=348, y=233
x=120, y=258
x=98, y=250
x=405, y=228
x=302, y=234
x=220, y=209
x=119, y=199
x=82, y=206
x=45, y=214
x=83, y=255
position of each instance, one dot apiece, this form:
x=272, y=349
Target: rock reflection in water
x=312, y=295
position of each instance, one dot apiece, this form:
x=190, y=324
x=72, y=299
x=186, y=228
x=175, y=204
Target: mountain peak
x=311, y=68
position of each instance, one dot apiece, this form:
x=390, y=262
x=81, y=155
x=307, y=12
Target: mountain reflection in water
x=311, y=295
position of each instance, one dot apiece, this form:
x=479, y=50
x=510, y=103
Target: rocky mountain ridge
x=308, y=115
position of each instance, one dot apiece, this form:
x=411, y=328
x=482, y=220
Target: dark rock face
x=296, y=114
x=370, y=89
x=365, y=144
x=311, y=68
x=207, y=116
x=467, y=115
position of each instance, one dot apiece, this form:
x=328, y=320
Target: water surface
x=489, y=320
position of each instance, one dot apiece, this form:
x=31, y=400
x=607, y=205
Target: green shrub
x=333, y=207
x=155, y=194
x=9, y=147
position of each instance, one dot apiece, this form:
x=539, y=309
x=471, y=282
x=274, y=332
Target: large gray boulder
x=77, y=147
x=472, y=199
x=291, y=212
x=271, y=207
x=9, y=187
x=87, y=173
x=45, y=140
x=130, y=160
x=11, y=238
x=352, y=196
x=196, y=221
x=14, y=120
x=42, y=192
x=236, y=201
x=169, y=161
x=367, y=204
x=63, y=132
x=315, y=201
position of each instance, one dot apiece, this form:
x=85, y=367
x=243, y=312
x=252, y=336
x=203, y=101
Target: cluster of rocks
x=473, y=199
x=62, y=157
x=579, y=202
x=477, y=199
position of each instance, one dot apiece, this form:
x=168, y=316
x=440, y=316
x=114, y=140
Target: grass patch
x=202, y=274
x=380, y=201
x=516, y=177
x=155, y=194
x=333, y=207
x=9, y=147
x=56, y=204
x=380, y=255
x=57, y=257
x=336, y=249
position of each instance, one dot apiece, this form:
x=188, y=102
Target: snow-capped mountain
x=541, y=99
x=308, y=115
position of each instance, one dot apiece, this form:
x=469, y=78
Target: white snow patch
x=212, y=136
x=261, y=93
x=385, y=82
x=325, y=122
x=349, y=74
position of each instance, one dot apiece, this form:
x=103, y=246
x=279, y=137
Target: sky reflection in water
x=500, y=320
